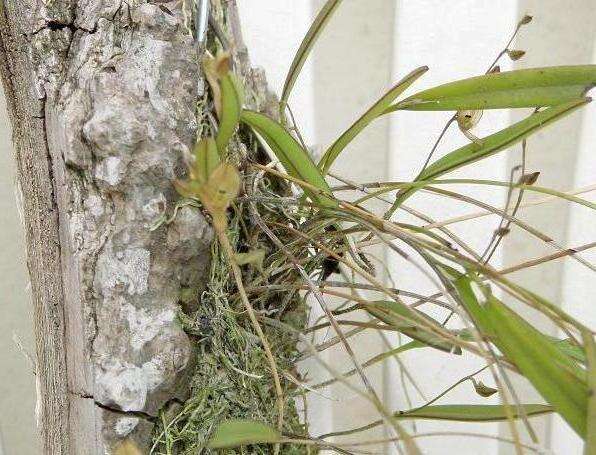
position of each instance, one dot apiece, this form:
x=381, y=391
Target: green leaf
x=492, y=144
x=500, y=140
x=463, y=285
x=232, y=98
x=570, y=349
x=568, y=355
x=234, y=433
x=206, y=159
x=590, y=347
x=512, y=89
x=290, y=153
x=375, y=111
x=556, y=377
x=393, y=313
x=473, y=412
x=306, y=46
x=558, y=355
x=535, y=358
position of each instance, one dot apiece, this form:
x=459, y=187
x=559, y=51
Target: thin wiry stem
x=476, y=215
x=219, y=225
x=504, y=225
x=410, y=447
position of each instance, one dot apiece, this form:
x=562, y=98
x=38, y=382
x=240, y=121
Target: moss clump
x=232, y=377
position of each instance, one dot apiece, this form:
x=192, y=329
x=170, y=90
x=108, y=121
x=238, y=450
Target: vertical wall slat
x=352, y=68
x=456, y=40
x=561, y=33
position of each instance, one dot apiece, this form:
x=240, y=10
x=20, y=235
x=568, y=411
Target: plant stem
x=219, y=224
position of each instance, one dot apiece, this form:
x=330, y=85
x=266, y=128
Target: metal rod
x=202, y=22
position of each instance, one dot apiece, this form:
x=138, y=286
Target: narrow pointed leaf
x=570, y=349
x=500, y=140
x=590, y=348
x=306, y=46
x=375, y=111
x=534, y=87
x=290, y=153
x=534, y=357
x=553, y=375
x=494, y=143
x=473, y=413
x=232, y=98
x=557, y=355
x=393, y=313
x=569, y=356
x=235, y=433
x=206, y=159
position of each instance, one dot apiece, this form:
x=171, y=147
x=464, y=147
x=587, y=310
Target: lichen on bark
x=120, y=118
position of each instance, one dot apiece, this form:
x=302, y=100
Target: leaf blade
x=393, y=314
x=492, y=144
x=474, y=412
x=290, y=153
x=534, y=87
x=537, y=357
x=371, y=114
x=234, y=433
x=590, y=348
x=206, y=159
x=565, y=392
x=306, y=46
x=232, y=98
x=499, y=141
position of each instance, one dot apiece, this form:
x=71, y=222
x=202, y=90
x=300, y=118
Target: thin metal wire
x=203, y=7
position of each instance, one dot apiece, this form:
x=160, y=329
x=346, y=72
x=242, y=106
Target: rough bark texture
x=102, y=96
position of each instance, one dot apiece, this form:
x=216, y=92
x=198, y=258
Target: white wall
x=368, y=45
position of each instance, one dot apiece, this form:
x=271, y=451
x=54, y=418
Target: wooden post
x=102, y=97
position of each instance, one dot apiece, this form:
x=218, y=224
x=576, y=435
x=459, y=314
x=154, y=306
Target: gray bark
x=102, y=96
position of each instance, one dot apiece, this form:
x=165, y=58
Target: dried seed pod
x=483, y=390
x=529, y=179
x=515, y=54
x=502, y=231
x=466, y=120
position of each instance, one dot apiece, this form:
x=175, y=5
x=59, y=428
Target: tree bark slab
x=102, y=95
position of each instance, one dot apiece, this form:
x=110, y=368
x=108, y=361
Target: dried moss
x=232, y=377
